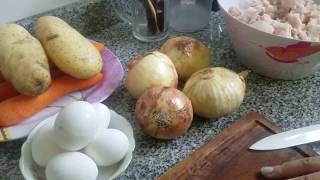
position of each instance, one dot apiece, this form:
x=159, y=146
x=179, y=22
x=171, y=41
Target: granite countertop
x=289, y=104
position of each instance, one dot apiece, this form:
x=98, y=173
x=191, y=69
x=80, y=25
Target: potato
x=23, y=61
x=68, y=49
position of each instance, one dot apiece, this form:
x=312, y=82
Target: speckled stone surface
x=289, y=104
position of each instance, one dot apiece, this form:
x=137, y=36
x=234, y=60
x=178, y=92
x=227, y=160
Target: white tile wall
x=12, y=10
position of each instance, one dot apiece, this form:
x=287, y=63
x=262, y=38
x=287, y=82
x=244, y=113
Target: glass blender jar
x=189, y=15
x=148, y=18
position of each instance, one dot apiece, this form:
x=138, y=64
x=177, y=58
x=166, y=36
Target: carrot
x=7, y=91
x=100, y=47
x=16, y=109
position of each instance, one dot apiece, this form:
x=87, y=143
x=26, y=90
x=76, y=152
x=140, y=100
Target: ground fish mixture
x=298, y=19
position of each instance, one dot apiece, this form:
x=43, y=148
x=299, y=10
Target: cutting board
x=227, y=156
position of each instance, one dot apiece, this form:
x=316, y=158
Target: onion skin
x=215, y=92
x=164, y=112
x=187, y=54
x=154, y=69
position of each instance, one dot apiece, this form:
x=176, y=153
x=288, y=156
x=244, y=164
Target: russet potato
x=23, y=61
x=71, y=52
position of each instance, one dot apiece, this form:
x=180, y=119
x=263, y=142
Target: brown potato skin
x=67, y=48
x=23, y=61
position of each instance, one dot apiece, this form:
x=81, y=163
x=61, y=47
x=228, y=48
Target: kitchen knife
x=289, y=138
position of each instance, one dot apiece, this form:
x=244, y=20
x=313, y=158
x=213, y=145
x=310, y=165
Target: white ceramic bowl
x=31, y=171
x=253, y=48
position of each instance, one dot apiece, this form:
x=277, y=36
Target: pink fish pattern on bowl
x=293, y=53
x=112, y=75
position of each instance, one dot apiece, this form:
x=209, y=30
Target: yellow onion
x=215, y=92
x=164, y=112
x=154, y=69
x=187, y=54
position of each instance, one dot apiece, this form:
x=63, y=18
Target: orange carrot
x=100, y=47
x=16, y=109
x=7, y=91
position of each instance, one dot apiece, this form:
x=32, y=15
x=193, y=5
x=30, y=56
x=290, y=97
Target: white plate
x=31, y=171
x=113, y=74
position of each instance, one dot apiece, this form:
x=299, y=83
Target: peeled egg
x=71, y=166
x=76, y=125
x=43, y=147
x=108, y=148
x=103, y=114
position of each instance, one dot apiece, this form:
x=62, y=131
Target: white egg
x=108, y=148
x=43, y=148
x=103, y=114
x=76, y=125
x=71, y=166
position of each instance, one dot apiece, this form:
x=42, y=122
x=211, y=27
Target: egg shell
x=103, y=114
x=109, y=147
x=76, y=125
x=71, y=166
x=43, y=147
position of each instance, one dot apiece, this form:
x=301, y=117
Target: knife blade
x=290, y=138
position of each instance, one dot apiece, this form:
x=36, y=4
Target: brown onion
x=154, y=69
x=164, y=112
x=215, y=92
x=187, y=54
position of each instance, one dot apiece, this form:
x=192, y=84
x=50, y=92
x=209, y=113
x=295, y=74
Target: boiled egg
x=71, y=166
x=108, y=148
x=43, y=147
x=103, y=114
x=76, y=126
